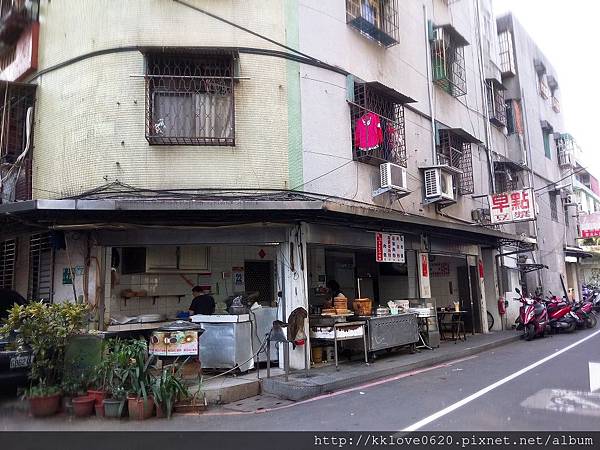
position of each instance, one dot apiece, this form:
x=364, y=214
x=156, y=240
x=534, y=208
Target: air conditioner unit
x=571, y=200
x=393, y=177
x=438, y=184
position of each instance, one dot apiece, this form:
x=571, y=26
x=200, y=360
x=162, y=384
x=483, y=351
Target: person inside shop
x=203, y=302
x=334, y=290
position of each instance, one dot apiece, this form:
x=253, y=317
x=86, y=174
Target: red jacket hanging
x=367, y=132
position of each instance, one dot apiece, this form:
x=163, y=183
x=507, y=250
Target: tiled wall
x=222, y=259
x=440, y=285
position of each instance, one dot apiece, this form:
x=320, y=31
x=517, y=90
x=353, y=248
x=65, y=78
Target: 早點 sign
x=513, y=206
x=389, y=248
x=589, y=225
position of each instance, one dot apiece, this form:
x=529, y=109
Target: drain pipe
x=429, y=85
x=486, y=112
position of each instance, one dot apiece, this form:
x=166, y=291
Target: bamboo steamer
x=340, y=302
x=317, y=355
x=363, y=306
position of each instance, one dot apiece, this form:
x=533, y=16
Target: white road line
x=427, y=420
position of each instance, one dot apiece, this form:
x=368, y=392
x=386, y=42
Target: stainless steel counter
x=385, y=332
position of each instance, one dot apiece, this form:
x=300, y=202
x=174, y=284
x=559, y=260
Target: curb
x=301, y=389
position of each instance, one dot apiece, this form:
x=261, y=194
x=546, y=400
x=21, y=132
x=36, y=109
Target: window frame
x=184, y=73
x=384, y=31
x=455, y=151
x=448, y=60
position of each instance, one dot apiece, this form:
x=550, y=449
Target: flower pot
x=44, y=406
x=83, y=406
x=99, y=410
x=97, y=395
x=140, y=409
x=113, y=408
x=161, y=413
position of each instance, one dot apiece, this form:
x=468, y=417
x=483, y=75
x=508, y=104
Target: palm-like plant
x=168, y=388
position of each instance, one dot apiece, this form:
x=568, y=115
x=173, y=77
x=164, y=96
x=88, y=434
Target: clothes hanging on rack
x=368, y=134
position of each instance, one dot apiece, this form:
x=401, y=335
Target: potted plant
x=114, y=405
x=133, y=369
x=71, y=388
x=168, y=388
x=83, y=406
x=43, y=400
x=46, y=330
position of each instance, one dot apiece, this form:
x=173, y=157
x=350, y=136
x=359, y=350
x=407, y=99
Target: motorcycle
x=584, y=311
x=533, y=317
x=560, y=315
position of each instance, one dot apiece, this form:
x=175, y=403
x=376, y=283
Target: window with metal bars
x=16, y=100
x=8, y=255
x=507, y=54
x=40, y=267
x=377, y=121
x=553, y=206
x=376, y=19
x=495, y=103
x=543, y=88
x=506, y=179
x=454, y=151
x=448, y=60
x=190, y=99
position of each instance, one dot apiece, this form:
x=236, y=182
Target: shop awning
x=577, y=252
x=279, y=207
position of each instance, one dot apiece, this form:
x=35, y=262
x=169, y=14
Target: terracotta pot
x=97, y=395
x=113, y=408
x=160, y=413
x=140, y=409
x=44, y=406
x=83, y=406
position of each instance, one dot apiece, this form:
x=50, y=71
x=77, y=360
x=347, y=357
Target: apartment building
x=264, y=146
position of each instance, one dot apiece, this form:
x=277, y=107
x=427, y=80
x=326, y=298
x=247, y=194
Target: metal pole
x=470, y=297
x=429, y=85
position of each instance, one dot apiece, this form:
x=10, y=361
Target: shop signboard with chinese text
x=389, y=248
x=589, y=225
x=513, y=206
x=424, y=281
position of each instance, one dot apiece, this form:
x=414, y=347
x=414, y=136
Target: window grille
x=565, y=147
x=507, y=54
x=555, y=104
x=506, y=179
x=40, y=267
x=16, y=99
x=454, y=151
x=543, y=86
x=376, y=19
x=190, y=99
x=8, y=253
x=448, y=60
x=496, y=103
x=391, y=145
x=553, y=207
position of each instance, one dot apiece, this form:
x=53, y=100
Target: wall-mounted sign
x=439, y=269
x=389, y=248
x=589, y=225
x=237, y=279
x=424, y=282
x=174, y=343
x=513, y=206
x=68, y=272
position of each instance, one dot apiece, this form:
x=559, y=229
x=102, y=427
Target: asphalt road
x=472, y=394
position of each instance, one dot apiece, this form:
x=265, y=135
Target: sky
x=568, y=33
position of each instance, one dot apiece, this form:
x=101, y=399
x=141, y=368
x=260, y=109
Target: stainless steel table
x=341, y=331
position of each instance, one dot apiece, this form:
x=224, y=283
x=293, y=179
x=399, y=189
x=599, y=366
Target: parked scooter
x=533, y=317
x=560, y=315
x=584, y=311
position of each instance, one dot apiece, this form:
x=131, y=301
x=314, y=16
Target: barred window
x=448, y=60
x=376, y=19
x=507, y=54
x=377, y=120
x=40, y=267
x=553, y=206
x=7, y=263
x=189, y=99
x=455, y=151
x=495, y=101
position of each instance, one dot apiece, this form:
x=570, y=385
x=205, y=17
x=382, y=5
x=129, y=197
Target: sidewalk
x=326, y=379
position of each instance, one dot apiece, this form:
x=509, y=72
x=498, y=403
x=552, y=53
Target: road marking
x=427, y=420
x=594, y=369
x=565, y=401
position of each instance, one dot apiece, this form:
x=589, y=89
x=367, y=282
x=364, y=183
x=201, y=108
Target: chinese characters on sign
x=589, y=225
x=389, y=248
x=424, y=281
x=513, y=206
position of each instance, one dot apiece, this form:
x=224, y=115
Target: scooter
x=584, y=311
x=533, y=317
x=560, y=315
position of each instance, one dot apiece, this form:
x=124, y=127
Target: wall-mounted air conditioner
x=439, y=184
x=393, y=177
x=571, y=200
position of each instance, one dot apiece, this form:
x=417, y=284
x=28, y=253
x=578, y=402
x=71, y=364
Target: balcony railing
x=555, y=104
x=15, y=16
x=376, y=19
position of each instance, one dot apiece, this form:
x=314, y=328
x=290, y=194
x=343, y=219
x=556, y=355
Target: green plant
x=73, y=386
x=46, y=330
x=41, y=390
x=168, y=388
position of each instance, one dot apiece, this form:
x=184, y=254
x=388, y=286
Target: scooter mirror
x=518, y=291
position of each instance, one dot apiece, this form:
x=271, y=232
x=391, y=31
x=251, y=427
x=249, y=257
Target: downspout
x=430, y=86
x=486, y=112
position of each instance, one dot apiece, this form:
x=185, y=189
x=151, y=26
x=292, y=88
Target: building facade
x=259, y=146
